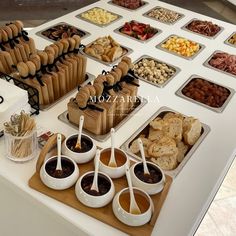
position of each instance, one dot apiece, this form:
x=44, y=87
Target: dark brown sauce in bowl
x=86, y=144
x=154, y=177
x=119, y=156
x=67, y=168
x=104, y=184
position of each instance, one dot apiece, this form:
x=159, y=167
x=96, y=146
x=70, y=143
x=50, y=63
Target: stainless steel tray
x=141, y=41
x=39, y=33
x=144, y=4
x=161, y=112
x=129, y=50
x=176, y=54
x=177, y=70
x=89, y=78
x=216, y=109
x=100, y=25
x=101, y=138
x=209, y=37
x=168, y=23
x=206, y=63
x=227, y=40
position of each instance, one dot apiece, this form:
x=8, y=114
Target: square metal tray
x=176, y=54
x=227, y=40
x=206, y=64
x=205, y=36
x=161, y=112
x=216, y=109
x=168, y=23
x=89, y=78
x=100, y=25
x=39, y=33
x=177, y=70
x=102, y=138
x=144, y=4
x=138, y=40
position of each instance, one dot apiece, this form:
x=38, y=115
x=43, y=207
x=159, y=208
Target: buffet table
x=193, y=190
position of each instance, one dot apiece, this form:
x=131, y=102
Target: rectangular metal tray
x=216, y=109
x=89, y=78
x=100, y=25
x=102, y=138
x=206, y=64
x=205, y=36
x=129, y=51
x=144, y=4
x=176, y=54
x=138, y=40
x=161, y=112
x=168, y=23
x=227, y=40
x=39, y=33
x=177, y=70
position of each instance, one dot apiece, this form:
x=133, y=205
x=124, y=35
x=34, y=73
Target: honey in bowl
x=119, y=156
x=142, y=201
x=86, y=144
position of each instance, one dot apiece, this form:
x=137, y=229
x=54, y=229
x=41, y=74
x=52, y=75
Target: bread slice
x=155, y=135
x=173, y=115
x=182, y=149
x=173, y=128
x=157, y=123
x=134, y=148
x=166, y=162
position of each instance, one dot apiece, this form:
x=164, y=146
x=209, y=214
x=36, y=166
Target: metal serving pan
x=101, y=138
x=227, y=40
x=216, y=109
x=160, y=113
x=143, y=2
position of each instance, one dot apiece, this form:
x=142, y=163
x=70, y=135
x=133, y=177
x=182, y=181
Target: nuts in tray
x=105, y=49
x=99, y=16
x=206, y=28
x=224, y=61
x=61, y=31
x=138, y=30
x=164, y=15
x=168, y=138
x=130, y=4
x=153, y=71
x=206, y=92
x=232, y=40
x=181, y=46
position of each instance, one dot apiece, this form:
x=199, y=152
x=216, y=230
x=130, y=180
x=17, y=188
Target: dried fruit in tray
x=232, y=39
x=130, y=4
x=138, y=30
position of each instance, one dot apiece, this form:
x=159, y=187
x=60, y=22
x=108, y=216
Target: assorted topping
x=181, y=46
x=119, y=156
x=130, y=4
x=105, y=49
x=232, y=40
x=86, y=144
x=168, y=139
x=138, y=30
x=206, y=28
x=206, y=92
x=164, y=15
x=224, y=61
x=99, y=16
x=61, y=31
x=153, y=71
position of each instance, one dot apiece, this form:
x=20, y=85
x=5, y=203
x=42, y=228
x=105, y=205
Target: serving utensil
x=58, y=167
x=81, y=123
x=112, y=161
x=145, y=168
x=95, y=177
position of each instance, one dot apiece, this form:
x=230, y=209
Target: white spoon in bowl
x=145, y=168
x=95, y=177
x=112, y=161
x=81, y=123
x=58, y=167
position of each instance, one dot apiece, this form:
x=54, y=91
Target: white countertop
x=194, y=188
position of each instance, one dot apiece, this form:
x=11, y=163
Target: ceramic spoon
x=145, y=168
x=95, y=178
x=58, y=167
x=133, y=208
x=112, y=161
x=81, y=123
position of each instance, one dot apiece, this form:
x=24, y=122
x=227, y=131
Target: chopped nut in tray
x=232, y=39
x=167, y=140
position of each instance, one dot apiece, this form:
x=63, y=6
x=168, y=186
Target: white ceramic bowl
x=128, y=218
x=57, y=183
x=90, y=200
x=114, y=172
x=147, y=187
x=82, y=157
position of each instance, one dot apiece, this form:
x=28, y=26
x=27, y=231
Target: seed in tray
x=164, y=15
x=232, y=40
x=206, y=92
x=153, y=71
x=130, y=4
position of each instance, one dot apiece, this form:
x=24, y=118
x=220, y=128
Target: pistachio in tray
x=61, y=31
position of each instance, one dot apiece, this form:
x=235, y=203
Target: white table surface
x=194, y=188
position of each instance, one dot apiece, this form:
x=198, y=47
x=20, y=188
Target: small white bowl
x=59, y=183
x=151, y=189
x=128, y=218
x=82, y=157
x=90, y=200
x=114, y=172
